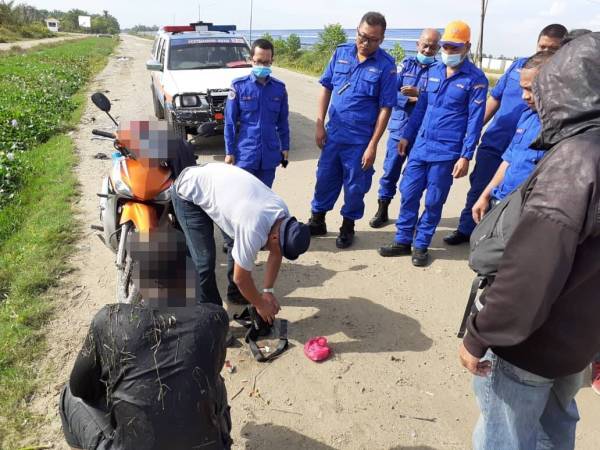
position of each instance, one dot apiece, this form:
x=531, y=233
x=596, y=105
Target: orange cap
x=456, y=32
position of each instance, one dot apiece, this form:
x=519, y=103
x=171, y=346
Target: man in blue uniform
x=359, y=88
x=519, y=159
x=505, y=106
x=445, y=127
x=412, y=78
x=257, y=132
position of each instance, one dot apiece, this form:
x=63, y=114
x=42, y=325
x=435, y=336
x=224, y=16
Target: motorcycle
x=134, y=198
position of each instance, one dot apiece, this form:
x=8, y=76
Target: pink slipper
x=316, y=349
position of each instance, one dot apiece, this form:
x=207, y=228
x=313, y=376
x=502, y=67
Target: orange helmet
x=456, y=33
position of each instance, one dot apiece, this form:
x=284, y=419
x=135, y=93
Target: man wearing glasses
x=257, y=132
x=359, y=90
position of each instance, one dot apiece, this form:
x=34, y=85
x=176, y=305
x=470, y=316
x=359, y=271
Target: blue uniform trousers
x=340, y=165
x=267, y=176
x=418, y=176
x=392, y=166
x=486, y=165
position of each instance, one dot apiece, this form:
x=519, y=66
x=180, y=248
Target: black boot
x=456, y=238
x=346, y=236
x=317, y=225
x=381, y=216
x=420, y=257
x=395, y=249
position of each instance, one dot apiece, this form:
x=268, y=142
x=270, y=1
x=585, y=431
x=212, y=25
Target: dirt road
x=35, y=42
x=394, y=382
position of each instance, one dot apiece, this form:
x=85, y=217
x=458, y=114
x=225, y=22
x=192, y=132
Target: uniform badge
x=231, y=95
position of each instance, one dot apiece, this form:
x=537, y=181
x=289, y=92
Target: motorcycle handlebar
x=104, y=134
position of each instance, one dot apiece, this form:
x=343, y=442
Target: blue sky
x=511, y=25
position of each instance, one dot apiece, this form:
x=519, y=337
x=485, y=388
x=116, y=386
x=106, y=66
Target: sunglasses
x=364, y=39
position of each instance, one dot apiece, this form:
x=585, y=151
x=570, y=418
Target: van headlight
x=191, y=101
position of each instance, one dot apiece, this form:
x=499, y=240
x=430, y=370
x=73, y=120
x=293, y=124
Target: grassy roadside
x=37, y=232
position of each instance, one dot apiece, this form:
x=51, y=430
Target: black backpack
x=489, y=239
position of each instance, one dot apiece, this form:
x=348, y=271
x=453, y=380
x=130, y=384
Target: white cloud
x=557, y=9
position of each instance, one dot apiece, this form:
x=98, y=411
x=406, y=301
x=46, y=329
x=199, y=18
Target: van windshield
x=189, y=54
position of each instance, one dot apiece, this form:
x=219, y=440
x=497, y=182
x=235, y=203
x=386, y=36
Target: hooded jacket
x=543, y=309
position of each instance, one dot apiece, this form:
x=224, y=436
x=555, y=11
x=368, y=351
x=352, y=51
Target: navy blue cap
x=294, y=238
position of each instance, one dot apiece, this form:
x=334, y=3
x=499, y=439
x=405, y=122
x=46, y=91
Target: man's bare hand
x=368, y=158
x=461, y=168
x=480, y=208
x=320, y=135
x=473, y=364
x=268, y=308
x=409, y=91
x=402, y=147
x=229, y=159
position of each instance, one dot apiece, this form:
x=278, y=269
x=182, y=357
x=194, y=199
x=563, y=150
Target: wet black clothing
x=183, y=156
x=156, y=374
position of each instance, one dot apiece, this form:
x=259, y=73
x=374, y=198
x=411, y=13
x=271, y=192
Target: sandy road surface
x=394, y=382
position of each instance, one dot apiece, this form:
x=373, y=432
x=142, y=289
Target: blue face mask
x=425, y=59
x=452, y=60
x=261, y=71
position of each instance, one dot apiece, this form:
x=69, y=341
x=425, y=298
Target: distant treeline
x=25, y=21
x=289, y=52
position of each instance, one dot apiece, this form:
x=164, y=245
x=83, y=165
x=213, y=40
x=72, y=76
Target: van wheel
x=159, y=111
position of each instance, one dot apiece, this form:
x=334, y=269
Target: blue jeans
x=340, y=165
x=392, y=166
x=524, y=411
x=198, y=228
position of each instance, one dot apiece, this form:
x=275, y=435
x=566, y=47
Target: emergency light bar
x=209, y=26
x=178, y=28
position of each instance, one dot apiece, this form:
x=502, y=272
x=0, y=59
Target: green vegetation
x=37, y=227
x=289, y=52
x=397, y=52
x=21, y=21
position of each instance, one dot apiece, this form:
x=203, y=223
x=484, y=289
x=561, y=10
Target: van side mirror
x=154, y=65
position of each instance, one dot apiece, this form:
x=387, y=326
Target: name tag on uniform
x=435, y=80
x=520, y=131
x=374, y=70
x=343, y=61
x=247, y=97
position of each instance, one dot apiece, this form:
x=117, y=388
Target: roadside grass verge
x=37, y=233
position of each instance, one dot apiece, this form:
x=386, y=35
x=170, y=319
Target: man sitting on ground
x=148, y=375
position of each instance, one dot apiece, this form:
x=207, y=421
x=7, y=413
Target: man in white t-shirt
x=252, y=215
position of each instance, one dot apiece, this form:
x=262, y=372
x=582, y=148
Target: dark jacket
x=542, y=313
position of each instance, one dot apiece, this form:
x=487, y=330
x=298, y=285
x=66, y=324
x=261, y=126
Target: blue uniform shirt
x=256, y=122
x=447, y=120
x=410, y=73
x=504, y=123
x=358, y=90
x=520, y=157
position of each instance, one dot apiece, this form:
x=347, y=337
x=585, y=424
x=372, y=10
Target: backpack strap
x=479, y=282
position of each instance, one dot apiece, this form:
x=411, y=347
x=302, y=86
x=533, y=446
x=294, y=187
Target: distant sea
x=406, y=37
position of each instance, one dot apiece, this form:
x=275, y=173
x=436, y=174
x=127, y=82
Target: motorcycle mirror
x=101, y=101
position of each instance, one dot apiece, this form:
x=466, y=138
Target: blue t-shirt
x=521, y=158
x=504, y=123
x=358, y=91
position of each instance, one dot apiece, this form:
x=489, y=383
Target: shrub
x=397, y=52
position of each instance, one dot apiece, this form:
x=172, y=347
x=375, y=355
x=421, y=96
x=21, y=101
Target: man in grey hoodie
x=538, y=328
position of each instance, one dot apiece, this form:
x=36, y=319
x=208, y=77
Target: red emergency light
x=178, y=28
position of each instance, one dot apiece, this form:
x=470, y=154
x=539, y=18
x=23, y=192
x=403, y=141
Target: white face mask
x=452, y=60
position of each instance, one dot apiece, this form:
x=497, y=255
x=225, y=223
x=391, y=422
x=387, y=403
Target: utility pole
x=479, y=52
x=251, y=8
x=199, y=15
